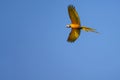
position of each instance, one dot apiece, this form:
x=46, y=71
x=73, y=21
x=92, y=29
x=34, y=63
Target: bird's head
x=68, y=26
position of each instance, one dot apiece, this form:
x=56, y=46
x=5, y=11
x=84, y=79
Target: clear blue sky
x=33, y=42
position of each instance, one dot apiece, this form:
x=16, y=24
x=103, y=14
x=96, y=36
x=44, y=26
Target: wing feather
x=74, y=34
x=73, y=15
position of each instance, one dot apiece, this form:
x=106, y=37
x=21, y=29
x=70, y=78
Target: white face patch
x=68, y=26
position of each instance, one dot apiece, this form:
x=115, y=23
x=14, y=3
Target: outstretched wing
x=73, y=15
x=74, y=34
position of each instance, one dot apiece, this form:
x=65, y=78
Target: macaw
x=75, y=25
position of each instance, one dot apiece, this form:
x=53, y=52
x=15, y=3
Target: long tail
x=87, y=29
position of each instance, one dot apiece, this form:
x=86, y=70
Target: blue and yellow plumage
x=75, y=25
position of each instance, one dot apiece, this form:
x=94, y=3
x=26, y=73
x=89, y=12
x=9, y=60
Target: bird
x=76, y=25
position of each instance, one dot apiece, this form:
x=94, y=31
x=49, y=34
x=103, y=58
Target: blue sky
x=33, y=42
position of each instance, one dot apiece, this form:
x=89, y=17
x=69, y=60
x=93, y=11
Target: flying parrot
x=75, y=25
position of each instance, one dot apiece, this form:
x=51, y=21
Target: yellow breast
x=75, y=26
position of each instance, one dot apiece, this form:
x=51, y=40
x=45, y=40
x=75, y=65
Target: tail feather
x=87, y=29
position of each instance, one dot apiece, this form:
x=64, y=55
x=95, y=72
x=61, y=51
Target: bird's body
x=75, y=25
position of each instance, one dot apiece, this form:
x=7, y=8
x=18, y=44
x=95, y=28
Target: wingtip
x=70, y=41
x=71, y=6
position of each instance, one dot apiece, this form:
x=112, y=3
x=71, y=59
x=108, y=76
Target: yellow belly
x=75, y=26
